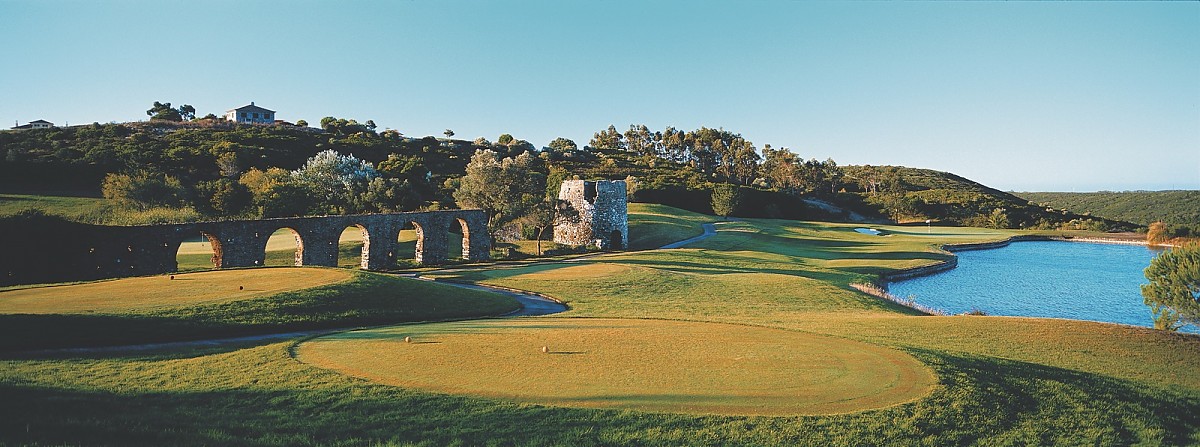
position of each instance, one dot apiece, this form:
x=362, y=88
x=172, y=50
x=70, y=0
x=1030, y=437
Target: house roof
x=31, y=123
x=250, y=108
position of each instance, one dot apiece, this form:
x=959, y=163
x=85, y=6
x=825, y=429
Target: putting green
x=152, y=292
x=649, y=365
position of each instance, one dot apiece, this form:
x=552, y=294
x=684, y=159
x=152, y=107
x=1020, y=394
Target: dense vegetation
x=1180, y=210
x=212, y=169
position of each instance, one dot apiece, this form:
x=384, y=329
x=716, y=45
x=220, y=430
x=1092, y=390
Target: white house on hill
x=251, y=114
x=39, y=124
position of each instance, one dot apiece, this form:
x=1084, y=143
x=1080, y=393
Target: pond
x=1082, y=281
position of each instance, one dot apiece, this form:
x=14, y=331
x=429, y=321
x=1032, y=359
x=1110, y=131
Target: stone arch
x=466, y=238
x=418, y=250
x=218, y=256
x=364, y=254
x=188, y=250
x=299, y=254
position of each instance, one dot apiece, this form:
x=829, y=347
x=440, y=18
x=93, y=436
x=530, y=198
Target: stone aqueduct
x=151, y=249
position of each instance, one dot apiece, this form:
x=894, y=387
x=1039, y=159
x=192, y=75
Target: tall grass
x=880, y=292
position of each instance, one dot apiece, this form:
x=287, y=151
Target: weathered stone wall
x=111, y=251
x=603, y=217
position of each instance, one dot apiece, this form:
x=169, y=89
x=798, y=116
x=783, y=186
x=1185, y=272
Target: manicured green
x=1001, y=381
x=640, y=364
x=365, y=299
x=165, y=291
x=653, y=225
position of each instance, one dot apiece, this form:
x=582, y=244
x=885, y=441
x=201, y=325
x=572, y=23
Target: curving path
x=709, y=231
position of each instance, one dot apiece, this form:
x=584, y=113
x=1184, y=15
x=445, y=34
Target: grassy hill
x=1178, y=209
x=200, y=154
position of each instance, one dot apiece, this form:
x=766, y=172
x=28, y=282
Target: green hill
x=1178, y=209
x=672, y=167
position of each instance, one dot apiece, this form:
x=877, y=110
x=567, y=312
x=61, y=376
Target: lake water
x=1082, y=281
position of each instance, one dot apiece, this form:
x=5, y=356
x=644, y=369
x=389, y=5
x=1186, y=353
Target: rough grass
x=649, y=365
x=74, y=208
x=365, y=299
x=1001, y=381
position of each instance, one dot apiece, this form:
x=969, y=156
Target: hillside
x=206, y=158
x=1178, y=209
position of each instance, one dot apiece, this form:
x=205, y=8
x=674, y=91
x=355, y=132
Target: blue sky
x=1019, y=96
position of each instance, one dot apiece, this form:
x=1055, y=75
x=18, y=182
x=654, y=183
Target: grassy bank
x=156, y=309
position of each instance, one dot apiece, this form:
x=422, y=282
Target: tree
x=275, y=193
x=336, y=181
x=505, y=189
x=546, y=214
x=163, y=111
x=563, y=145
x=725, y=198
x=608, y=139
x=1174, y=290
x=448, y=133
x=302, y=123
x=187, y=112
x=999, y=219
x=143, y=189
x=504, y=140
x=1158, y=234
x=223, y=197
x=631, y=187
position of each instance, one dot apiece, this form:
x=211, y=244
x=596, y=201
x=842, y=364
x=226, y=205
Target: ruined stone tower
x=603, y=218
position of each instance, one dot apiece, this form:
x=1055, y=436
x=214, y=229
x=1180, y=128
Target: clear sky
x=1019, y=96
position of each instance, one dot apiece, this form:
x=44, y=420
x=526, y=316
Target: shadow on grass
x=981, y=400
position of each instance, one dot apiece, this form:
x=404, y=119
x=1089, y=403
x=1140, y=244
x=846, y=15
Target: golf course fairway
x=166, y=291
x=647, y=365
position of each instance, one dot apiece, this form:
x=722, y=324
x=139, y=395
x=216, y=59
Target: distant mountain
x=1179, y=209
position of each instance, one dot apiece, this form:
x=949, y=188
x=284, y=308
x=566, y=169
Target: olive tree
x=337, y=182
x=506, y=189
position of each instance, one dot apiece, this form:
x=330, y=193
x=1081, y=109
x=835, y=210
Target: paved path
x=709, y=231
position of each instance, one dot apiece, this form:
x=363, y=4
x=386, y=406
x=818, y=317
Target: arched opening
x=199, y=252
x=465, y=235
x=615, y=240
x=353, y=245
x=410, y=244
x=284, y=247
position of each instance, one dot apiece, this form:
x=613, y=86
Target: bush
x=143, y=189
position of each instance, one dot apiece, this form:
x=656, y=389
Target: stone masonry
x=117, y=251
x=603, y=218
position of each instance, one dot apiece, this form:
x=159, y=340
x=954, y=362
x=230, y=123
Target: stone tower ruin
x=603, y=218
